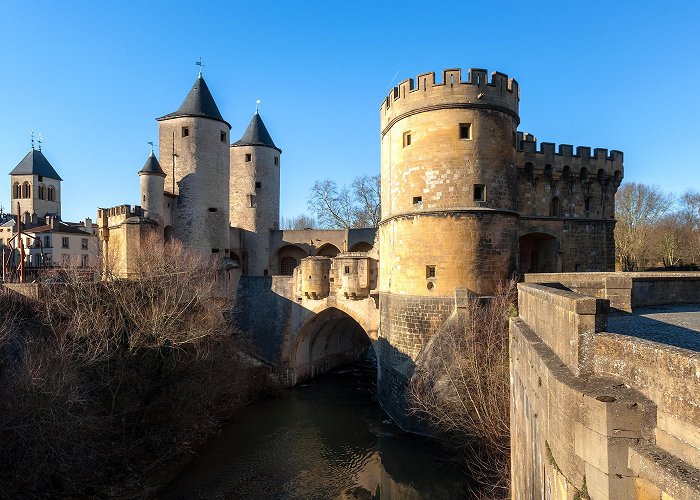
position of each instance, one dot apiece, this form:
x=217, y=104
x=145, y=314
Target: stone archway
x=287, y=258
x=328, y=250
x=330, y=339
x=538, y=253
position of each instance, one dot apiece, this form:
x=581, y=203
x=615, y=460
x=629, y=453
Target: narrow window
x=144, y=198
x=465, y=130
x=479, y=192
x=83, y=260
x=248, y=157
x=41, y=178
x=214, y=250
x=185, y=131
x=587, y=204
x=418, y=200
x=223, y=136
x=51, y=194
x=84, y=243
x=251, y=201
x=555, y=207
x=212, y=209
x=277, y=161
x=64, y=242
x=265, y=272
x=430, y=272
x=407, y=138
x=257, y=185
x=47, y=241
x=347, y=269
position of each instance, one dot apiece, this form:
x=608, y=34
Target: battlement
x=114, y=216
x=562, y=160
x=478, y=89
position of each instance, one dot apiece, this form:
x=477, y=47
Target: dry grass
x=102, y=381
x=461, y=386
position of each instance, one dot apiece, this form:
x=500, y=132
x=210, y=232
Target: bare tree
x=461, y=386
x=346, y=207
x=637, y=208
x=302, y=221
x=690, y=216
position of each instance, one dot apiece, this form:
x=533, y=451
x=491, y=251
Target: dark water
x=325, y=439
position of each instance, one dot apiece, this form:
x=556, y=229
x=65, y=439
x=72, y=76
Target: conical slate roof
x=152, y=166
x=198, y=103
x=35, y=163
x=256, y=135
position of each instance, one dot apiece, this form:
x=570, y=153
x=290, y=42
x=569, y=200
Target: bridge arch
x=331, y=338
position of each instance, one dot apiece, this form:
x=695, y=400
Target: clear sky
x=93, y=76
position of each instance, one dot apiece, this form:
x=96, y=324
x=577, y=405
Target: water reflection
x=324, y=440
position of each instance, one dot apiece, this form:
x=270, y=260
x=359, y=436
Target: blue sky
x=93, y=76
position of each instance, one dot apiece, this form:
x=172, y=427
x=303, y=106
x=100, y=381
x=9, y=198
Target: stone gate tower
x=449, y=219
x=255, y=194
x=194, y=154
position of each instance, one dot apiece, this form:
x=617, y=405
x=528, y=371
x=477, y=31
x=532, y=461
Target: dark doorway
x=538, y=253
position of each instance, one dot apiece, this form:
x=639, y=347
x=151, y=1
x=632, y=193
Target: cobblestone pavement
x=674, y=325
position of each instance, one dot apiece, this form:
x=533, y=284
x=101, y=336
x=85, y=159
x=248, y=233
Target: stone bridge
x=325, y=315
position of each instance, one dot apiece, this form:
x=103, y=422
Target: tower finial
x=257, y=104
x=39, y=140
x=151, y=143
x=201, y=66
x=32, y=132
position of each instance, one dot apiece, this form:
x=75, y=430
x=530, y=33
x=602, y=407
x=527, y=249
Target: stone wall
x=605, y=414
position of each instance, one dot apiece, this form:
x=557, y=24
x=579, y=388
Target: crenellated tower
x=255, y=193
x=194, y=154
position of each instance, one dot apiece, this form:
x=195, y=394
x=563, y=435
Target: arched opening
x=42, y=192
x=51, y=194
x=328, y=250
x=555, y=207
x=538, y=253
x=236, y=260
x=288, y=258
x=361, y=246
x=168, y=233
x=26, y=190
x=16, y=191
x=329, y=340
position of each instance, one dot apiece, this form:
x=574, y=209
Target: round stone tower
x=152, y=181
x=194, y=154
x=255, y=194
x=449, y=217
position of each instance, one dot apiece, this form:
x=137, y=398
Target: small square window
x=84, y=243
x=418, y=200
x=258, y=185
x=407, y=138
x=248, y=157
x=479, y=192
x=277, y=161
x=430, y=272
x=223, y=136
x=465, y=130
x=41, y=178
x=185, y=131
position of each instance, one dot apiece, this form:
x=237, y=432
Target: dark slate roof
x=61, y=227
x=152, y=166
x=256, y=135
x=198, y=103
x=35, y=163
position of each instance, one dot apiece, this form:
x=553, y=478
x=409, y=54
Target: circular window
x=430, y=285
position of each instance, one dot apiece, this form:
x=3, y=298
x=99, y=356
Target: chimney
x=88, y=225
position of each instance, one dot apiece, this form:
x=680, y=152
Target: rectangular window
x=47, y=258
x=47, y=241
x=83, y=260
x=212, y=209
x=258, y=185
x=277, y=161
x=64, y=242
x=65, y=259
x=479, y=192
x=407, y=138
x=185, y=131
x=251, y=201
x=84, y=243
x=248, y=157
x=418, y=200
x=223, y=136
x=347, y=269
x=41, y=178
x=430, y=272
x=465, y=130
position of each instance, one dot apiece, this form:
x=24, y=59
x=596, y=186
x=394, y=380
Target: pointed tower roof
x=35, y=163
x=152, y=166
x=198, y=103
x=256, y=135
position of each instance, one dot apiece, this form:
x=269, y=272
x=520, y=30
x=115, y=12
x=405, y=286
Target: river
x=327, y=439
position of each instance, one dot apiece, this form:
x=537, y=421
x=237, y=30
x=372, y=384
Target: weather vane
x=151, y=143
x=39, y=140
x=32, y=132
x=201, y=66
x=257, y=104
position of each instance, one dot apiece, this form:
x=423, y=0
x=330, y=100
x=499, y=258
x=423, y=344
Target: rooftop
x=198, y=103
x=256, y=135
x=35, y=163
